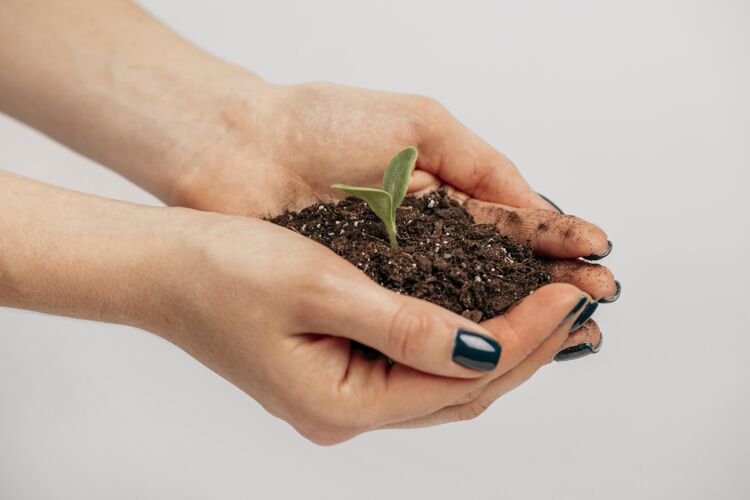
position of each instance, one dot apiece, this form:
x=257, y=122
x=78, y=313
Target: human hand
x=198, y=134
x=270, y=310
x=282, y=148
x=274, y=312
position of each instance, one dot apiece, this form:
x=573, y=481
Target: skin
x=268, y=309
x=201, y=280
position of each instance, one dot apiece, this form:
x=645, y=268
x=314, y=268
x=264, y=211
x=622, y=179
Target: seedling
x=384, y=202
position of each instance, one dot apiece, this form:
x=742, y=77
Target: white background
x=633, y=114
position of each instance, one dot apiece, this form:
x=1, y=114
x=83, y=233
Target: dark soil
x=444, y=257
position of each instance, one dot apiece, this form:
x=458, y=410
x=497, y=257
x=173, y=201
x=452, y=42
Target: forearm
x=67, y=253
x=108, y=80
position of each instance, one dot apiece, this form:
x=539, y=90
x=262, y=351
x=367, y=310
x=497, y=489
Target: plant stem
x=392, y=238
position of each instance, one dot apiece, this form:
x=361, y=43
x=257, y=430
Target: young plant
x=384, y=202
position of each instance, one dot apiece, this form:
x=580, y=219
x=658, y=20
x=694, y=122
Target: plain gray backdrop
x=634, y=115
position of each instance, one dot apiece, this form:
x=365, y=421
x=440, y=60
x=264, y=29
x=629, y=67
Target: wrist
x=229, y=118
x=82, y=256
x=195, y=120
x=115, y=85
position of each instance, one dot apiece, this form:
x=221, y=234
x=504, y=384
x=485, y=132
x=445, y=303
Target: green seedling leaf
x=379, y=201
x=397, y=176
x=384, y=202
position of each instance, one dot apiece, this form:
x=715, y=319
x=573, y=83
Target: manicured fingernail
x=598, y=256
x=614, y=297
x=585, y=315
x=581, y=302
x=578, y=351
x=476, y=351
x=551, y=203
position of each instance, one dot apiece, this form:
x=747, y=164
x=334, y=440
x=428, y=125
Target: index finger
x=461, y=158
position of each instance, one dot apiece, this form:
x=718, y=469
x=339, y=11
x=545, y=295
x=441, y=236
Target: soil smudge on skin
x=444, y=257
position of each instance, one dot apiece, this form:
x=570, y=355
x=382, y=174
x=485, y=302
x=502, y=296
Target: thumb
x=431, y=339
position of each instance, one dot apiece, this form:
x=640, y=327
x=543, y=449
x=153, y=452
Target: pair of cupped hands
x=276, y=313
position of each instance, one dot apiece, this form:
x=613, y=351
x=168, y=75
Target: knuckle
x=428, y=115
x=328, y=278
x=471, y=395
x=513, y=341
x=322, y=290
x=406, y=335
x=429, y=105
x=472, y=410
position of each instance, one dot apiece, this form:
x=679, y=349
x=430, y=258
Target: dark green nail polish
x=551, y=203
x=588, y=311
x=476, y=351
x=578, y=351
x=581, y=302
x=599, y=256
x=612, y=298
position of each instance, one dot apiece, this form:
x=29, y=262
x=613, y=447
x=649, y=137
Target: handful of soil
x=444, y=257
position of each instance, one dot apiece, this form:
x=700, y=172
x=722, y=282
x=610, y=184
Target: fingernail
x=578, y=351
x=581, y=302
x=598, y=256
x=588, y=311
x=476, y=351
x=612, y=298
x=551, y=203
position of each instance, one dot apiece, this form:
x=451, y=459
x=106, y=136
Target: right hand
x=275, y=313
x=270, y=156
